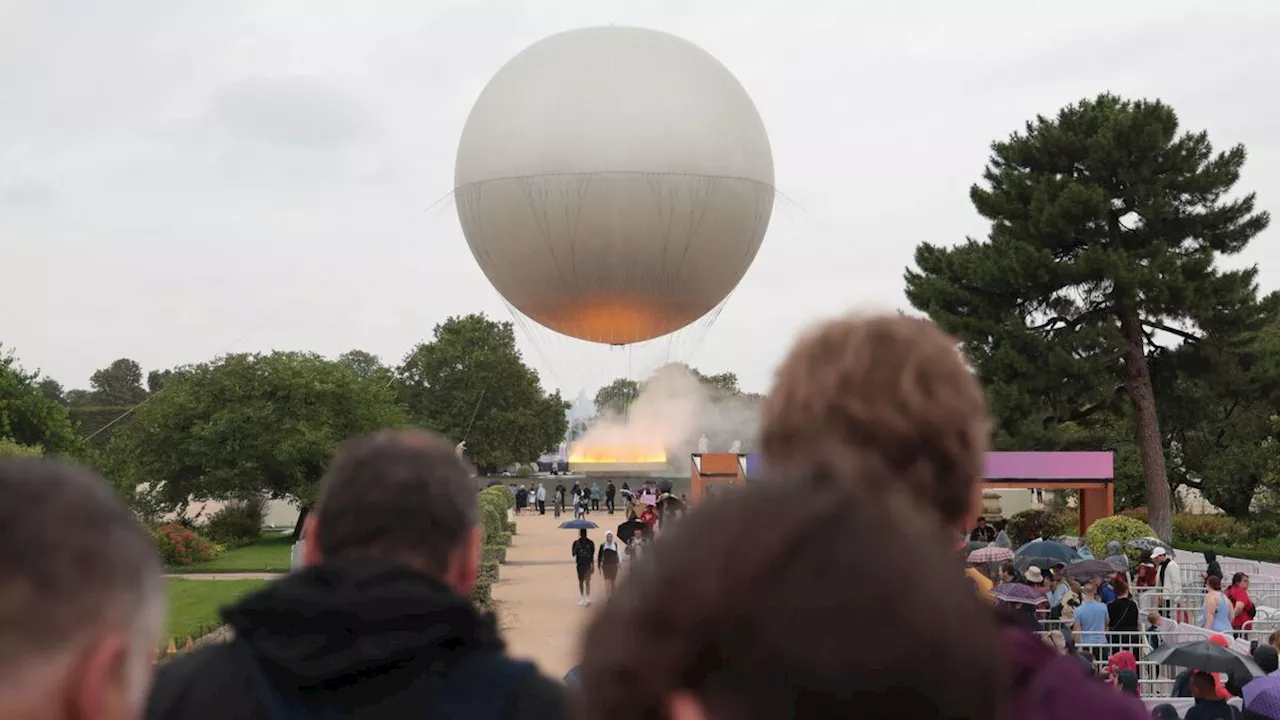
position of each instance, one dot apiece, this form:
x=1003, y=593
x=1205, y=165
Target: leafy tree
x=470, y=384
x=1105, y=227
x=617, y=396
x=156, y=380
x=29, y=418
x=245, y=425
x=52, y=390
x=1216, y=402
x=367, y=365
x=78, y=396
x=119, y=383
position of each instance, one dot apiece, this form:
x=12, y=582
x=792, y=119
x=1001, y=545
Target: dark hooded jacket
x=1211, y=566
x=1049, y=686
x=352, y=638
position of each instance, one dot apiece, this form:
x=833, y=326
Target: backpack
x=477, y=688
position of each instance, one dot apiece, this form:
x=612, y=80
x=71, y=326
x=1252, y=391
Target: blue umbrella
x=578, y=525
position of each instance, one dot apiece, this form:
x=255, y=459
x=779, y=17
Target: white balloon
x=614, y=184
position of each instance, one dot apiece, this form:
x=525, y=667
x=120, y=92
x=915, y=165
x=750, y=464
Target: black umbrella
x=1089, y=569
x=1054, y=551
x=1205, y=655
x=628, y=529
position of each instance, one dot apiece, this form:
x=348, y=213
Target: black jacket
x=356, y=638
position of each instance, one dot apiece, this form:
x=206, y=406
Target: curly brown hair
x=771, y=603
x=891, y=385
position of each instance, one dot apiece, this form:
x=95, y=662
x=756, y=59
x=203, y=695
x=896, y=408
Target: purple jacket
x=1049, y=686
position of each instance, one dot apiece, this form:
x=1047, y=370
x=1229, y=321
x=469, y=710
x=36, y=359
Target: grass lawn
x=194, y=604
x=270, y=554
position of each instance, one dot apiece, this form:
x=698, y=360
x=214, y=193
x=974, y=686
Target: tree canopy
x=119, y=383
x=470, y=384
x=248, y=424
x=1106, y=223
x=28, y=417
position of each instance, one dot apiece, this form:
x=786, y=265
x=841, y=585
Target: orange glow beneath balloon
x=587, y=455
x=612, y=321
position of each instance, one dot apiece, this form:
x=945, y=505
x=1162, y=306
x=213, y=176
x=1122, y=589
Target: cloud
x=291, y=111
x=26, y=193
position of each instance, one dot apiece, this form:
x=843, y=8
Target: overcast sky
x=181, y=179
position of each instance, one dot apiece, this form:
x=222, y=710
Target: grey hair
x=75, y=563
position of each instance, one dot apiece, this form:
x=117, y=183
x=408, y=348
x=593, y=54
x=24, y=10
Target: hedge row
x=494, y=502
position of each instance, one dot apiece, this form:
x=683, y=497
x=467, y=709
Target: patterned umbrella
x=1263, y=696
x=990, y=554
x=1015, y=593
x=1145, y=543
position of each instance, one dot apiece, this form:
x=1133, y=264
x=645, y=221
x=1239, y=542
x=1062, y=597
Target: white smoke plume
x=673, y=411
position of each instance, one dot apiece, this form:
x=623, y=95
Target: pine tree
x=1105, y=227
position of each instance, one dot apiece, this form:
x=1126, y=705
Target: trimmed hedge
x=494, y=502
x=1268, y=552
x=1117, y=528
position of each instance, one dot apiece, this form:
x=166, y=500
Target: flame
x=580, y=454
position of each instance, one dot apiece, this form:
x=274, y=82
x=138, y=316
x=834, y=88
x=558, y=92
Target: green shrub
x=1263, y=527
x=1028, y=525
x=237, y=525
x=1210, y=530
x=489, y=572
x=493, y=553
x=482, y=593
x=1118, y=528
x=503, y=539
x=1137, y=513
x=510, y=527
x=493, y=522
x=503, y=492
x=182, y=546
x=524, y=471
x=11, y=449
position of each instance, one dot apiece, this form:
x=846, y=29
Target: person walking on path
x=559, y=498
x=608, y=561
x=597, y=494
x=610, y=494
x=584, y=555
x=541, y=497
x=380, y=624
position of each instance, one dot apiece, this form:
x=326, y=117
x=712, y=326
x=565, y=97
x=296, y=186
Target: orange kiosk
x=1091, y=473
x=715, y=469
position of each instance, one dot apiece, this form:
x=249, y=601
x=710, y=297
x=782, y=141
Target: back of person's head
x=1267, y=658
x=729, y=621
x=81, y=600
x=400, y=495
x=891, y=385
x=1202, y=686
x=1164, y=711
x=1214, y=582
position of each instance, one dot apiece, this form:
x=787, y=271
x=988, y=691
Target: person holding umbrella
x=584, y=555
x=608, y=561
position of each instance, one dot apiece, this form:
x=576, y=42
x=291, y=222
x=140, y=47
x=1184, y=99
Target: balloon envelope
x=614, y=184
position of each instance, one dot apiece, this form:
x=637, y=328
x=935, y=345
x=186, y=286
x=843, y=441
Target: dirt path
x=537, y=592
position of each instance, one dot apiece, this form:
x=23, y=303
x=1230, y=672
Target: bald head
x=888, y=385
x=80, y=589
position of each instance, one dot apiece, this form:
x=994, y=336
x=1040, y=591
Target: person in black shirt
x=584, y=554
x=983, y=532
x=610, y=492
x=1208, y=706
